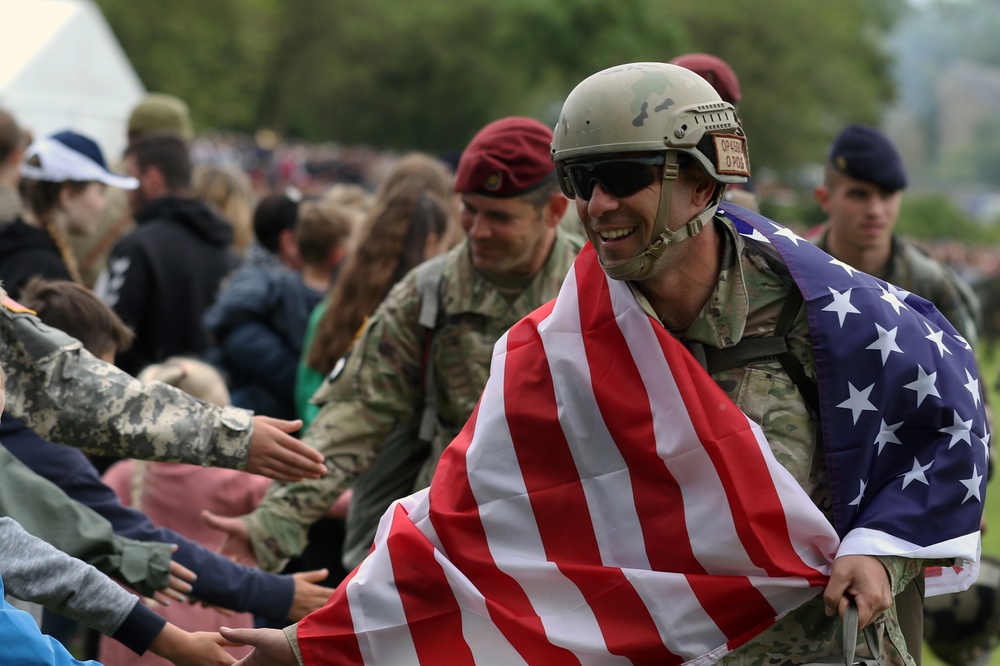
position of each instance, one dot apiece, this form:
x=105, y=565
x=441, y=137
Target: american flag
x=597, y=507
x=902, y=410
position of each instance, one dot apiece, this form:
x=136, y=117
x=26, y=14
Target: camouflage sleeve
x=378, y=387
x=67, y=395
x=45, y=511
x=291, y=633
x=901, y=570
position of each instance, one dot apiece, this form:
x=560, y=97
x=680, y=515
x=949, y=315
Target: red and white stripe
x=605, y=504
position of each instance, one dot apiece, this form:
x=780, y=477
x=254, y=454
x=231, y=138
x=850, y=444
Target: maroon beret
x=506, y=158
x=714, y=70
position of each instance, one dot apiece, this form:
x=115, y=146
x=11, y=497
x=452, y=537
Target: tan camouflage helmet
x=655, y=109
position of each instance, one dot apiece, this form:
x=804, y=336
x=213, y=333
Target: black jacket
x=162, y=276
x=26, y=252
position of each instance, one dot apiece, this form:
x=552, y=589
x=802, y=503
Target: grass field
x=989, y=371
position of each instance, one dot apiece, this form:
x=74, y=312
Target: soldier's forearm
x=68, y=396
x=279, y=526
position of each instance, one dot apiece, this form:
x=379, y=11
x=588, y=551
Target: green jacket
x=45, y=511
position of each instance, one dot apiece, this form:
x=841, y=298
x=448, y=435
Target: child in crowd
x=257, y=324
x=173, y=496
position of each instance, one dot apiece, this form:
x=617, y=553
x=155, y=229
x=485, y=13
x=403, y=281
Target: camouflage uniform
x=382, y=385
x=746, y=303
x=63, y=393
x=910, y=269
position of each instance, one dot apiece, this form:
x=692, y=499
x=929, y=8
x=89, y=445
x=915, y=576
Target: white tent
x=61, y=67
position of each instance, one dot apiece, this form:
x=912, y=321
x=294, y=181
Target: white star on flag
x=788, y=233
x=972, y=486
x=850, y=269
x=986, y=447
x=857, y=500
x=937, y=338
x=917, y=473
x=887, y=435
x=893, y=300
x=858, y=402
x=901, y=294
x=923, y=385
x=972, y=386
x=886, y=342
x=959, y=431
x=841, y=305
x=965, y=343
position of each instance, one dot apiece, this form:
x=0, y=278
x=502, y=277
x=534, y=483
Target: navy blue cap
x=865, y=154
x=82, y=145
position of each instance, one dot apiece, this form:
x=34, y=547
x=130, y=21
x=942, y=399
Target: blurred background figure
x=156, y=112
x=64, y=177
x=257, y=324
x=227, y=188
x=162, y=276
x=13, y=141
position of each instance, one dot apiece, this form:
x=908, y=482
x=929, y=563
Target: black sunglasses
x=618, y=176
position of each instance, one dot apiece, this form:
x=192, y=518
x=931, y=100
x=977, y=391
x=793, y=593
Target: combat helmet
x=649, y=108
x=963, y=629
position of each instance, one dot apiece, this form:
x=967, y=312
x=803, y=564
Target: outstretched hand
x=237, y=546
x=865, y=579
x=179, y=580
x=271, y=646
x=199, y=648
x=308, y=595
x=274, y=453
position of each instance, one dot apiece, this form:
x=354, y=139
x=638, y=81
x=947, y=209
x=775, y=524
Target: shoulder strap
x=750, y=350
x=430, y=279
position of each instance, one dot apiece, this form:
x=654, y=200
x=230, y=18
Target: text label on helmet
x=731, y=155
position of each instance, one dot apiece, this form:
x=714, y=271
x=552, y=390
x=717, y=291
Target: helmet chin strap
x=640, y=266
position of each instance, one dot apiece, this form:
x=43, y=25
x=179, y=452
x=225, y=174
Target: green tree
x=427, y=75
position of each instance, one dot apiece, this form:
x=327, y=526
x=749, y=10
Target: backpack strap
x=430, y=281
x=756, y=350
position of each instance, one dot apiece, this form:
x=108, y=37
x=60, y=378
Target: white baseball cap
x=70, y=156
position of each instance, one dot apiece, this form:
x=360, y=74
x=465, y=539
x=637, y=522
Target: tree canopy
x=427, y=75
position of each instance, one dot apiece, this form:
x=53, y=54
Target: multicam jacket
x=746, y=303
x=382, y=385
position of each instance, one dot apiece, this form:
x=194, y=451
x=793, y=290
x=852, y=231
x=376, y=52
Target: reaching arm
x=53, y=382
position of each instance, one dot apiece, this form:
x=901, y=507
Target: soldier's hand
x=865, y=579
x=274, y=453
x=308, y=595
x=237, y=546
x=271, y=646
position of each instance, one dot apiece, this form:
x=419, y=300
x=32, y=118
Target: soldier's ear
x=555, y=208
x=822, y=194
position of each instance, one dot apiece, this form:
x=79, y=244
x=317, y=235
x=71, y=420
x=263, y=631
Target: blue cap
x=69, y=156
x=865, y=154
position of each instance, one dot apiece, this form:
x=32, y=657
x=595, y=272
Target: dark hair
x=392, y=243
x=274, y=214
x=78, y=312
x=168, y=152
